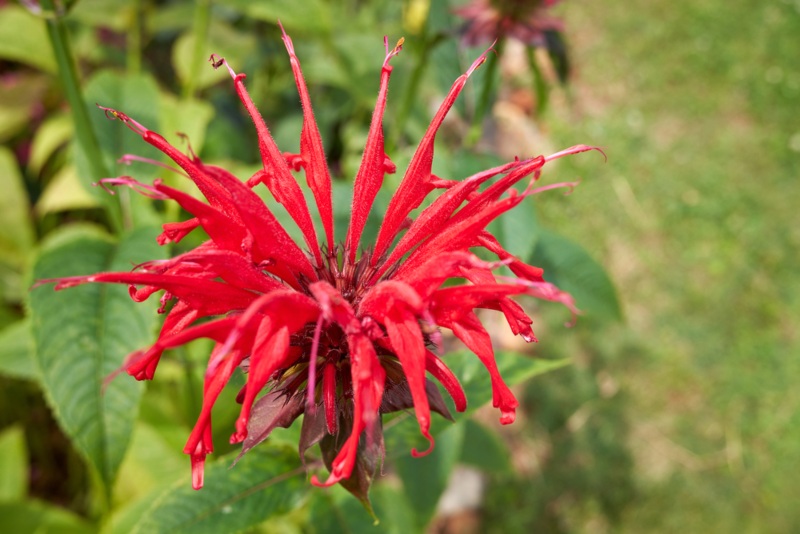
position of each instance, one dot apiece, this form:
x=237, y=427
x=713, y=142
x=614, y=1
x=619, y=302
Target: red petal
x=213, y=386
x=436, y=367
x=416, y=182
x=269, y=353
x=311, y=150
x=370, y=173
x=434, y=216
x=277, y=174
x=470, y=331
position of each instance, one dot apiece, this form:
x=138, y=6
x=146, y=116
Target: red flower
x=525, y=20
x=339, y=335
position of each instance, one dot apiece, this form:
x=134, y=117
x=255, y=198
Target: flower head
x=341, y=333
x=525, y=20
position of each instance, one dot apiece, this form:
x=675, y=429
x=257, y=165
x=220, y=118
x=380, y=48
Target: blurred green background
x=682, y=415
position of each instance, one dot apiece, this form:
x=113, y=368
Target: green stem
x=202, y=17
x=84, y=133
x=134, y=49
x=540, y=87
x=487, y=91
x=422, y=53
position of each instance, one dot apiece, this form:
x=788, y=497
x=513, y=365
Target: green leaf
x=16, y=228
x=569, y=266
x=425, y=479
x=83, y=334
x=518, y=230
x=335, y=511
x=19, y=98
x=54, y=132
x=484, y=449
x=138, y=97
x=266, y=482
x=40, y=517
x=16, y=351
x=23, y=38
x=224, y=41
x=65, y=192
x=402, y=432
x=13, y=465
x=311, y=16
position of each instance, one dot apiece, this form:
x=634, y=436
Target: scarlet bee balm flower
x=337, y=332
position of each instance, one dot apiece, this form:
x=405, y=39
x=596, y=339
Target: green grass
x=695, y=215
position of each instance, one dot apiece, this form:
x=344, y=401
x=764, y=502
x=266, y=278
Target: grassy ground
x=695, y=215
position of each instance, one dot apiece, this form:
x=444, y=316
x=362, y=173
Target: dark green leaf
x=484, y=449
x=569, y=266
x=334, y=511
x=266, y=482
x=83, y=334
x=402, y=432
x=425, y=478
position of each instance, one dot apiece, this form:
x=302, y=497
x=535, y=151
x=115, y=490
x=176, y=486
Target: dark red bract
x=339, y=333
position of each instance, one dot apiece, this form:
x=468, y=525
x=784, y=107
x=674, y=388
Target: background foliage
x=678, y=411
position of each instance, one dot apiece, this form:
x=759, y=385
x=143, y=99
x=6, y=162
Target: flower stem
x=202, y=16
x=422, y=52
x=484, y=101
x=134, y=48
x=84, y=132
x=541, y=90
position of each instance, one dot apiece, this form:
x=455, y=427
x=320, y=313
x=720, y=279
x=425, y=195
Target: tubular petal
x=311, y=150
x=416, y=182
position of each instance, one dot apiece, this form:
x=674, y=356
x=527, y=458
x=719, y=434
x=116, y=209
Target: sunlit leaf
x=36, y=516
x=65, y=192
x=55, y=131
x=83, y=334
x=23, y=38
x=16, y=228
x=13, y=464
x=16, y=351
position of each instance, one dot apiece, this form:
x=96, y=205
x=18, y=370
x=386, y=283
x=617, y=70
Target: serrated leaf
x=13, y=464
x=16, y=351
x=83, y=334
x=267, y=482
x=40, y=517
x=23, y=38
x=569, y=266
